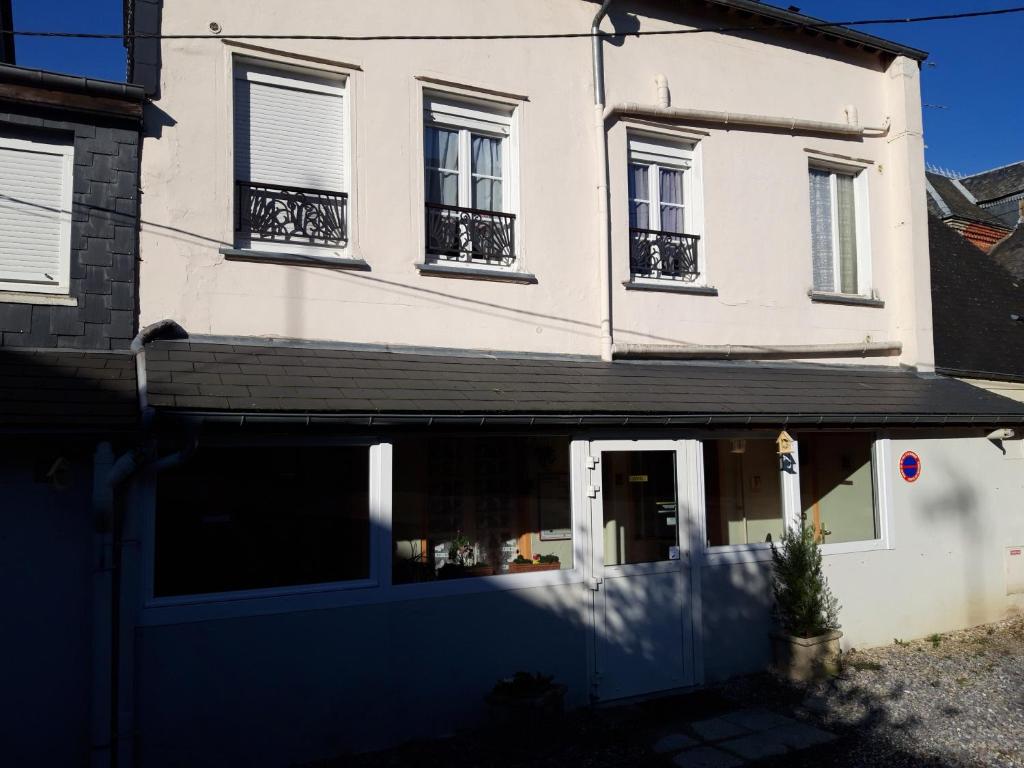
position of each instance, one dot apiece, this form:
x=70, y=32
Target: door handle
x=594, y=583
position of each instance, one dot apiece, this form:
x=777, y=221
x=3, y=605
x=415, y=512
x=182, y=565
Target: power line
x=823, y=26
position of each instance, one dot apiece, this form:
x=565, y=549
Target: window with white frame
x=840, y=242
x=237, y=518
x=469, y=175
x=290, y=147
x=743, y=495
x=35, y=215
x=837, y=486
x=664, y=220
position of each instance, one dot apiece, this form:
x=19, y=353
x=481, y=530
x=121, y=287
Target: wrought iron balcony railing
x=470, y=235
x=663, y=255
x=272, y=213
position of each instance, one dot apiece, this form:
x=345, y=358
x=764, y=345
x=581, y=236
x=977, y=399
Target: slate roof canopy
x=996, y=183
x=946, y=199
x=364, y=384
x=61, y=390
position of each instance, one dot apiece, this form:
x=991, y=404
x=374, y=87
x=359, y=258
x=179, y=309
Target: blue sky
x=972, y=78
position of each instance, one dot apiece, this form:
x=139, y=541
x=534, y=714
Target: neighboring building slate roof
x=953, y=203
x=1009, y=254
x=67, y=390
x=973, y=297
x=365, y=384
x=996, y=183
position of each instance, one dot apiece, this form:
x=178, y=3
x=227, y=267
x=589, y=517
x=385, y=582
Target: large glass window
x=247, y=518
x=468, y=506
x=640, y=506
x=743, y=492
x=837, y=487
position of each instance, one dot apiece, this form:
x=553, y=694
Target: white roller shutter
x=289, y=131
x=35, y=216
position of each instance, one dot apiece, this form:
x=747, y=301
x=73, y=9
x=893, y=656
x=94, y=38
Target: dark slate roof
x=954, y=203
x=66, y=390
x=972, y=300
x=783, y=18
x=1009, y=254
x=999, y=182
x=366, y=384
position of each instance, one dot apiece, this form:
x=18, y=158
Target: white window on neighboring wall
x=290, y=143
x=468, y=164
x=35, y=215
x=840, y=240
x=664, y=211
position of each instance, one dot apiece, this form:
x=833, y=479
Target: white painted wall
x=755, y=187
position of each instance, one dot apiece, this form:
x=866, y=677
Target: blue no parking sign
x=910, y=466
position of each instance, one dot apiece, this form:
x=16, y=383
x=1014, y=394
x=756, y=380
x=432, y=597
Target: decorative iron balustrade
x=666, y=255
x=470, y=235
x=273, y=213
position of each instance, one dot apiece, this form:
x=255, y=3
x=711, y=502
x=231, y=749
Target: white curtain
x=847, y=234
x=639, y=195
x=486, y=159
x=441, y=152
x=821, y=230
x=671, y=188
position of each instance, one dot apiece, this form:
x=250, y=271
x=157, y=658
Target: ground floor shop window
x=743, y=492
x=480, y=506
x=837, y=486
x=249, y=518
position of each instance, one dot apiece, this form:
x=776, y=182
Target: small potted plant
x=807, y=647
x=526, y=702
x=462, y=560
x=538, y=563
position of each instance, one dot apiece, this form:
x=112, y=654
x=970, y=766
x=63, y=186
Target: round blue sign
x=910, y=466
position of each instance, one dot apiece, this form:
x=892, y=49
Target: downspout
x=601, y=142
x=108, y=476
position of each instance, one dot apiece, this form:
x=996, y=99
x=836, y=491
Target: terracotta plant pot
x=806, y=659
x=530, y=567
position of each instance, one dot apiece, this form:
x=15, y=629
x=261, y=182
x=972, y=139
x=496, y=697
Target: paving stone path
x=738, y=738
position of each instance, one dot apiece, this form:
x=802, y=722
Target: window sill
x=671, y=287
x=472, y=273
x=40, y=299
x=294, y=259
x=823, y=297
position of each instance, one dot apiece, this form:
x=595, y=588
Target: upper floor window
x=468, y=172
x=839, y=233
x=290, y=152
x=35, y=215
x=664, y=227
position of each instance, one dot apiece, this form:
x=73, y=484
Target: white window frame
x=865, y=284
x=659, y=152
x=378, y=587
x=881, y=458
x=469, y=115
x=62, y=284
x=286, y=75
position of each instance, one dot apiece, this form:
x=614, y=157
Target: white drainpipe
x=603, y=219
x=753, y=352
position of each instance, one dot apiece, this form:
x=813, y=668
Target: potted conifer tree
x=807, y=646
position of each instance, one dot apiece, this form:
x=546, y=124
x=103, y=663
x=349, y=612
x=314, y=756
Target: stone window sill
x=294, y=259
x=823, y=297
x=472, y=273
x=39, y=299
x=671, y=286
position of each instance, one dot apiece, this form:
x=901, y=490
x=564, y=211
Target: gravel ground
x=948, y=700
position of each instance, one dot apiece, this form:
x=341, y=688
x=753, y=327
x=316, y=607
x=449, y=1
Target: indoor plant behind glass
x=807, y=647
x=462, y=560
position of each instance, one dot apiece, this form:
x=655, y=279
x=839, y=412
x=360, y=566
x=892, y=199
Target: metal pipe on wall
x=753, y=352
x=601, y=141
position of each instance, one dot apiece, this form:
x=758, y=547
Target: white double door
x=640, y=572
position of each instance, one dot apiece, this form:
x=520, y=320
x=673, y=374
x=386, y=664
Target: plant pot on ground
x=526, y=703
x=807, y=646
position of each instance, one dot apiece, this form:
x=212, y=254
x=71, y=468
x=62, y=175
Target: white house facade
x=470, y=355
